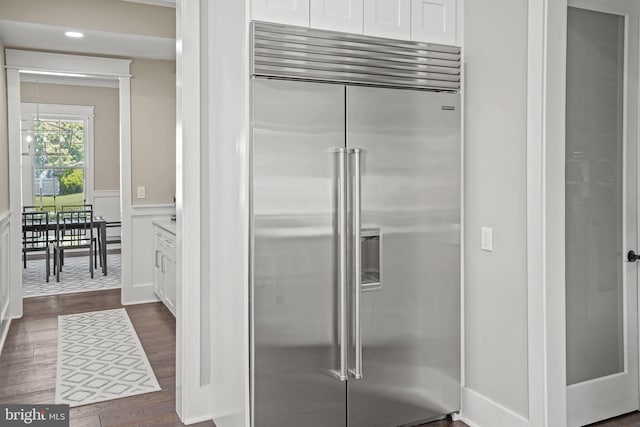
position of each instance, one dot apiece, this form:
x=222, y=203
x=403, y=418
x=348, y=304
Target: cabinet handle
x=157, y=252
x=162, y=263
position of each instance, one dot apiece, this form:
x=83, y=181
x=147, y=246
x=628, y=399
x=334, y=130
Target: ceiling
x=27, y=35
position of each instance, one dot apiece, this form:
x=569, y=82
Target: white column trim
x=545, y=213
x=193, y=401
x=124, y=97
x=15, y=191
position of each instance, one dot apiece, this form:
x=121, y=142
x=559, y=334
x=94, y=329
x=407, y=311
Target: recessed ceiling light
x=74, y=34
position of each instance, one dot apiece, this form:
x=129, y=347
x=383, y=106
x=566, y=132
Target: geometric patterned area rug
x=74, y=277
x=100, y=358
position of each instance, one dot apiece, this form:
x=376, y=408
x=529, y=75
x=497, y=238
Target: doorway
x=601, y=209
x=25, y=63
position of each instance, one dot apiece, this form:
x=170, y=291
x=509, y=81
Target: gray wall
x=4, y=146
x=495, y=42
x=153, y=130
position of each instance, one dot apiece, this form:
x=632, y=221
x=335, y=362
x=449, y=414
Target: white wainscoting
x=137, y=286
x=5, y=314
x=480, y=411
x=106, y=203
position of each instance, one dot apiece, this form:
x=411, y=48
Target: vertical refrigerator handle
x=356, y=373
x=343, y=325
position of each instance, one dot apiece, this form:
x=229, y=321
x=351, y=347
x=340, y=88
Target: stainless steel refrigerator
x=355, y=254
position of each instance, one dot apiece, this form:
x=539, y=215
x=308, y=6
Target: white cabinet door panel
x=292, y=12
x=433, y=21
x=388, y=18
x=337, y=15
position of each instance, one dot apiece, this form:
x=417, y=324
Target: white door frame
x=613, y=390
x=30, y=62
x=546, y=212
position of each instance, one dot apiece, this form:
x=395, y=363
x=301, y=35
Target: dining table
x=99, y=224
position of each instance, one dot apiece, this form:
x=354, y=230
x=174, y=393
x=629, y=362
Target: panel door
x=157, y=262
x=433, y=21
x=337, y=15
x=410, y=319
x=388, y=18
x=297, y=127
x=601, y=209
x=170, y=281
x=292, y=12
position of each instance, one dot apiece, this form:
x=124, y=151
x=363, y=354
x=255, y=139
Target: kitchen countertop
x=166, y=224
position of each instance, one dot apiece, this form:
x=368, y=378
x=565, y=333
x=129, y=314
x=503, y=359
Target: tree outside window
x=59, y=161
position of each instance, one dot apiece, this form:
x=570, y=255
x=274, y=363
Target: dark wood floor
x=445, y=423
x=628, y=420
x=28, y=360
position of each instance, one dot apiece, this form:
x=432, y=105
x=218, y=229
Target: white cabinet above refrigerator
x=292, y=12
x=336, y=15
x=388, y=18
x=432, y=21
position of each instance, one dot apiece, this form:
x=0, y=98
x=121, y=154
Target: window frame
x=83, y=113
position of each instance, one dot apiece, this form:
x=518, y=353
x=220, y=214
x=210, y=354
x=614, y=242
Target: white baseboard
x=4, y=331
x=480, y=411
x=139, y=294
x=194, y=420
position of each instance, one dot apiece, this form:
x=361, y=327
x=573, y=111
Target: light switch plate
x=142, y=192
x=486, y=241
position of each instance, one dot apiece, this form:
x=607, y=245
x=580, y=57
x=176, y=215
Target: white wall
x=5, y=215
x=4, y=142
x=5, y=289
x=496, y=369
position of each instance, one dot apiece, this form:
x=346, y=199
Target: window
x=56, y=154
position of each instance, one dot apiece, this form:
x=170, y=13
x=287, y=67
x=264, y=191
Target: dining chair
x=74, y=230
x=113, y=239
x=83, y=207
x=35, y=236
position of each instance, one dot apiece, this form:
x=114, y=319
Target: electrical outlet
x=142, y=192
x=486, y=240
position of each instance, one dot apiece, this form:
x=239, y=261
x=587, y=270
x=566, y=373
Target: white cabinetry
x=164, y=268
x=337, y=15
x=293, y=12
x=433, y=21
x=388, y=18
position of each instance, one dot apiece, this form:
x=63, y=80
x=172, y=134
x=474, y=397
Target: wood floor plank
x=92, y=421
x=627, y=420
x=28, y=360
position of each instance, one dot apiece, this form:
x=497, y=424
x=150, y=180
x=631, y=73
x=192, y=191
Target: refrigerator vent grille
x=304, y=53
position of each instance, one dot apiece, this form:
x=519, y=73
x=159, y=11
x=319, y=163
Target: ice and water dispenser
x=370, y=248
